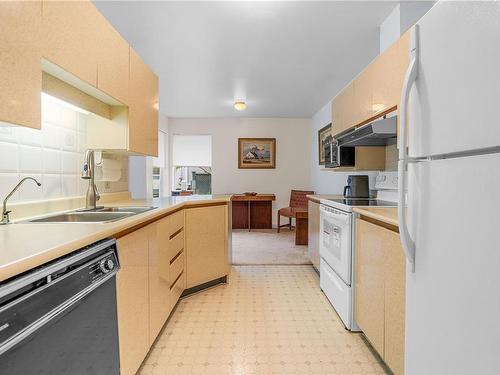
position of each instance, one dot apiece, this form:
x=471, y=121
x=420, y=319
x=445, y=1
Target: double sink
x=97, y=215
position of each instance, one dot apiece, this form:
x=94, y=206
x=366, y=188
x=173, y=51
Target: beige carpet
x=265, y=246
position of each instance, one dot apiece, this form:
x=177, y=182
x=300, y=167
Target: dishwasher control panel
x=103, y=266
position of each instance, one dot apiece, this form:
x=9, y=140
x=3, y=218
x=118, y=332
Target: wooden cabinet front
x=143, y=112
x=343, y=110
x=159, y=283
x=113, y=63
x=394, y=295
x=390, y=68
x=20, y=55
x=206, y=244
x=132, y=292
x=375, y=90
x=369, y=282
x=71, y=32
x=313, y=234
x=380, y=291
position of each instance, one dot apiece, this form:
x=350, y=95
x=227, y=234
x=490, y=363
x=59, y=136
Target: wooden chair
x=298, y=202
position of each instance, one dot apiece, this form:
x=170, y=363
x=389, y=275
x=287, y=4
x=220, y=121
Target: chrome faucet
x=88, y=174
x=5, y=213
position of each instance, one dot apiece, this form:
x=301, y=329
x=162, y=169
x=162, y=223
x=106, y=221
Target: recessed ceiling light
x=240, y=105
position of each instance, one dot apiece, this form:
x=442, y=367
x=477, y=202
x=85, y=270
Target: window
x=192, y=164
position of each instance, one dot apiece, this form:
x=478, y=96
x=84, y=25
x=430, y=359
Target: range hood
x=377, y=133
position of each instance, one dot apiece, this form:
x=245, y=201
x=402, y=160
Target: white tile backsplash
x=29, y=190
x=51, y=161
x=70, y=162
x=52, y=136
x=27, y=136
x=69, y=140
x=53, y=155
x=70, y=185
x=30, y=159
x=7, y=183
x=52, y=185
x=9, y=157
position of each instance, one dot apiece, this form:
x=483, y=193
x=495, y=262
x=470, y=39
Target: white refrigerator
x=450, y=227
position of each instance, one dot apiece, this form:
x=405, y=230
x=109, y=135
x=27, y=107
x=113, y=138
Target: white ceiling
x=286, y=59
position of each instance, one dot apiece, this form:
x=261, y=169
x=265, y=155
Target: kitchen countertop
x=387, y=215
x=318, y=197
x=24, y=246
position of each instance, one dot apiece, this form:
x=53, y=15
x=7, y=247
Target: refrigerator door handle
x=410, y=77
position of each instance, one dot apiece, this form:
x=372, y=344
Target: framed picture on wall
x=255, y=153
x=324, y=136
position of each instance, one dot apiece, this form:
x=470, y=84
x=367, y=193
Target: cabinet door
x=133, y=299
x=71, y=32
x=369, y=282
x=345, y=107
x=159, y=285
x=363, y=95
x=143, y=113
x=395, y=282
x=389, y=70
x=113, y=63
x=206, y=244
x=20, y=55
x=313, y=234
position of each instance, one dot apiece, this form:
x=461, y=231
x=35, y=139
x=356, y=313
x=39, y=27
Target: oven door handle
x=63, y=307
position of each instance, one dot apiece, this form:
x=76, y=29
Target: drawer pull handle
x=177, y=256
x=176, y=233
x=177, y=279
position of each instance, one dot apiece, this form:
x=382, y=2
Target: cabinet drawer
x=175, y=222
x=175, y=245
x=177, y=289
x=176, y=268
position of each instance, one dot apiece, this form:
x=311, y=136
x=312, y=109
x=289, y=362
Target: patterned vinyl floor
x=267, y=320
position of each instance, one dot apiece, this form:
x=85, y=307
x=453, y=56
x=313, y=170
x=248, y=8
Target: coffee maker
x=357, y=187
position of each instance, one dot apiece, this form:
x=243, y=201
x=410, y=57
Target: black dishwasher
x=61, y=318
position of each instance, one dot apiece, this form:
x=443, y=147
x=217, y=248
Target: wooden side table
x=252, y=211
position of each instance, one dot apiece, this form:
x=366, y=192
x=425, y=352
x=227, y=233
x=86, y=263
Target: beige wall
x=292, y=154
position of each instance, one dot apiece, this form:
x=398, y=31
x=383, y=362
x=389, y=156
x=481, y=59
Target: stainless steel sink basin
x=135, y=210
x=101, y=215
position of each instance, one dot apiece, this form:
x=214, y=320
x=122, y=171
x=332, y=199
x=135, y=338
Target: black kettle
x=357, y=187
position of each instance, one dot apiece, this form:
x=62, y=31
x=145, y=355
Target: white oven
x=335, y=249
x=336, y=240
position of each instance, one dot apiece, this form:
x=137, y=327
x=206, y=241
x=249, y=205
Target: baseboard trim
x=208, y=284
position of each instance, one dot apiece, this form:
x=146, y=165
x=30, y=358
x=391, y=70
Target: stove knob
x=106, y=265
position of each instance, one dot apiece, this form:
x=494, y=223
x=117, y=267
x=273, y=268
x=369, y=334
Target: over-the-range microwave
x=339, y=156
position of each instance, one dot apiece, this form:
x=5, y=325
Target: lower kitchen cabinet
x=206, y=244
x=313, y=233
x=159, y=278
x=380, y=290
x=132, y=293
x=155, y=263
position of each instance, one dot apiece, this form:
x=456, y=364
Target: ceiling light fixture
x=240, y=105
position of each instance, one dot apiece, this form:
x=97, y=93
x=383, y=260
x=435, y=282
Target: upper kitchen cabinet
x=113, y=63
x=389, y=70
x=71, y=31
x=20, y=55
x=133, y=129
x=343, y=109
x=143, y=108
x=374, y=92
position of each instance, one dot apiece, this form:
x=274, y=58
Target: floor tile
x=266, y=320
